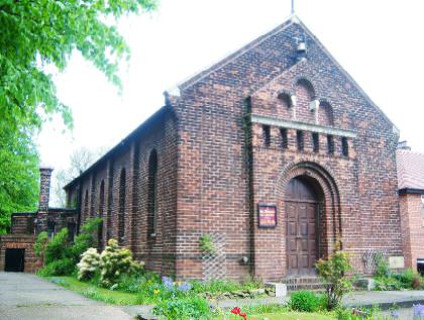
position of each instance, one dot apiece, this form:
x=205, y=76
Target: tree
x=46, y=32
x=18, y=175
x=80, y=160
x=35, y=34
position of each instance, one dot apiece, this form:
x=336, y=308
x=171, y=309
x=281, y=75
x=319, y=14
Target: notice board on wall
x=267, y=215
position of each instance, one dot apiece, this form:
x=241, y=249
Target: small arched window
x=285, y=99
x=121, y=212
x=151, y=194
x=325, y=114
x=305, y=95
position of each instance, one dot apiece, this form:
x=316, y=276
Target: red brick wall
x=412, y=228
x=222, y=175
x=133, y=155
x=19, y=242
x=22, y=224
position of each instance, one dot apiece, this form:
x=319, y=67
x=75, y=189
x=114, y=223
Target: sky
x=378, y=42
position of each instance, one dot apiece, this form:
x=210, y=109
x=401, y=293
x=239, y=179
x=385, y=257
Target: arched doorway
x=303, y=202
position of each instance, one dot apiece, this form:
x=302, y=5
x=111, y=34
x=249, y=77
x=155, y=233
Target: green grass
x=283, y=315
x=95, y=293
x=273, y=312
x=291, y=316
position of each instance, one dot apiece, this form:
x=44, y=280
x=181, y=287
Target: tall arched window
x=101, y=212
x=86, y=213
x=151, y=194
x=121, y=212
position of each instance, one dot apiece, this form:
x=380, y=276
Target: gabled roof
x=410, y=168
x=292, y=19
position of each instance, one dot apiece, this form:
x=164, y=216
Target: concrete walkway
x=25, y=296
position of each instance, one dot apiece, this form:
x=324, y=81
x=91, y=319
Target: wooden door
x=302, y=222
x=301, y=237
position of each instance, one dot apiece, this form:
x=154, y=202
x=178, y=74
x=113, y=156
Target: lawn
x=266, y=312
x=93, y=292
x=290, y=316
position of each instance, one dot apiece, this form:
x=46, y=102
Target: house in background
x=411, y=196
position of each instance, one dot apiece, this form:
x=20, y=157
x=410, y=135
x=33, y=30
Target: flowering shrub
x=175, y=287
x=115, y=262
x=237, y=310
x=89, y=264
x=418, y=311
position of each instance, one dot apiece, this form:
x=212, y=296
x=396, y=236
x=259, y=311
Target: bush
x=87, y=238
x=61, y=267
x=333, y=274
x=387, y=284
x=56, y=248
x=89, y=265
x=407, y=279
x=306, y=301
x=382, y=266
x=115, y=262
x=215, y=287
x=40, y=244
x=188, y=308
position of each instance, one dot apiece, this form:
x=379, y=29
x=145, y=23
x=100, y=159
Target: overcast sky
x=379, y=42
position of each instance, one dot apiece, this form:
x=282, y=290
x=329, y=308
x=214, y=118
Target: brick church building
x=273, y=153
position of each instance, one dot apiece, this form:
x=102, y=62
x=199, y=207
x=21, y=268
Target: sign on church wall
x=396, y=262
x=267, y=215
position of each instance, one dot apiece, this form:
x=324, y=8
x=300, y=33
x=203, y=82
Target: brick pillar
x=45, y=175
x=43, y=204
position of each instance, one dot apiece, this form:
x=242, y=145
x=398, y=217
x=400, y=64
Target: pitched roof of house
x=410, y=168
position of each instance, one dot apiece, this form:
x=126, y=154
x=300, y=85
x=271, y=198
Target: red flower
x=236, y=310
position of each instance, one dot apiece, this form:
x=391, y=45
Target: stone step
x=303, y=283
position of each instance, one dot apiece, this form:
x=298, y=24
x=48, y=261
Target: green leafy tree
x=35, y=34
x=18, y=174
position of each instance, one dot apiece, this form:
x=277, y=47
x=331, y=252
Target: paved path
x=25, y=296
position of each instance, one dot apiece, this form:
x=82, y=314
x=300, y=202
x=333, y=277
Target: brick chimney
x=45, y=175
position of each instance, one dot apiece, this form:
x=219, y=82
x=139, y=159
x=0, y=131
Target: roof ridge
x=228, y=58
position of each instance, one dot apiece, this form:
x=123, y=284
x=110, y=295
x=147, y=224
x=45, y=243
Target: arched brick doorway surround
x=328, y=227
